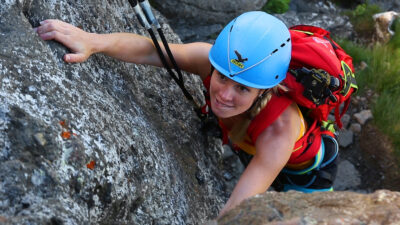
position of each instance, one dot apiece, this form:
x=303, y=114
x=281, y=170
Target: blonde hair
x=239, y=130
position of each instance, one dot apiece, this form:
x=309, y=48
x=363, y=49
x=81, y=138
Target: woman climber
x=249, y=61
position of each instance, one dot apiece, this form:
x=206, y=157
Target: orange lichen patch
x=66, y=131
x=66, y=134
x=64, y=124
x=91, y=165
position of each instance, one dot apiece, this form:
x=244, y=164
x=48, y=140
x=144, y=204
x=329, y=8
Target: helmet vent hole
x=276, y=77
x=288, y=40
x=274, y=51
x=283, y=45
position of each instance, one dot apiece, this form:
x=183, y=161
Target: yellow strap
x=328, y=125
x=349, y=79
x=306, y=32
x=303, y=125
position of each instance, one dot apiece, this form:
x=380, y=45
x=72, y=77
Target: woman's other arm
x=274, y=147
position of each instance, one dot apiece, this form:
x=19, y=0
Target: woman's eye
x=243, y=88
x=222, y=77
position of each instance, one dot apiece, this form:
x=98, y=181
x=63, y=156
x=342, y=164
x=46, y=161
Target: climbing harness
x=319, y=174
x=148, y=20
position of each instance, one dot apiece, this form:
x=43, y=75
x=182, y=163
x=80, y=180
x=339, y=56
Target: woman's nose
x=226, y=92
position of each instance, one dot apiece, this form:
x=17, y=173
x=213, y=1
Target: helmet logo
x=239, y=61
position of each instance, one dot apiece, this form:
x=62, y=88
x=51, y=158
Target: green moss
x=276, y=6
x=395, y=40
x=362, y=20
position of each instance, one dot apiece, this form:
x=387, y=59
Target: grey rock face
x=347, y=176
x=363, y=116
x=101, y=141
x=202, y=20
x=345, y=138
x=318, y=13
x=206, y=12
x=387, y=5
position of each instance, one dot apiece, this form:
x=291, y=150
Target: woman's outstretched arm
x=127, y=47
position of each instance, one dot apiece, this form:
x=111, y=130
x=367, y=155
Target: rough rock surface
x=97, y=142
x=387, y=5
x=318, y=13
x=200, y=20
x=336, y=208
x=206, y=12
x=203, y=20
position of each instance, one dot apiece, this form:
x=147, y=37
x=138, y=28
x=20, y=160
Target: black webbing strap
x=147, y=19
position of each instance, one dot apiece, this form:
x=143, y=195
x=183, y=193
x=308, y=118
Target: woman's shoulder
x=286, y=126
x=291, y=113
x=278, y=112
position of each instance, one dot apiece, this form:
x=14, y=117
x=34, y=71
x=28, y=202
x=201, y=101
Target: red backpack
x=320, y=79
x=321, y=74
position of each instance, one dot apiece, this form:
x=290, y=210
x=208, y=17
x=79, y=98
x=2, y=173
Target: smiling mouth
x=223, y=104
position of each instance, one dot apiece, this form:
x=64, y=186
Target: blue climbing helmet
x=254, y=49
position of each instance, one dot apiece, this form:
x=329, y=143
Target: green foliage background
x=276, y=6
x=382, y=74
x=362, y=20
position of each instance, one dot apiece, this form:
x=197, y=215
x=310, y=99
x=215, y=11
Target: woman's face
x=229, y=98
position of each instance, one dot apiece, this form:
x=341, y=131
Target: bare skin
x=229, y=99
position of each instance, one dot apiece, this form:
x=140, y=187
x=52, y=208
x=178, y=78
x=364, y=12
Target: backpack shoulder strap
x=268, y=115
